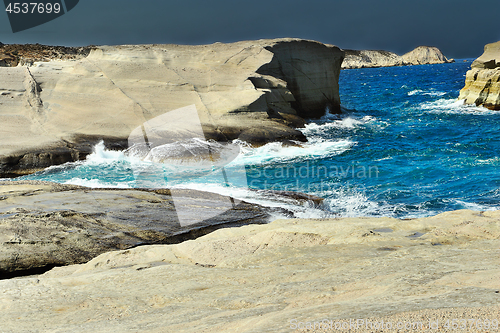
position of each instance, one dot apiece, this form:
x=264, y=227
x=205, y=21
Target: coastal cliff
x=482, y=81
x=377, y=58
x=256, y=91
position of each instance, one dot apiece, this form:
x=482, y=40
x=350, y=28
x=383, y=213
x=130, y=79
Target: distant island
x=422, y=55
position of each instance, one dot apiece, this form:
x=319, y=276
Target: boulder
x=482, y=81
x=257, y=91
x=270, y=278
x=377, y=58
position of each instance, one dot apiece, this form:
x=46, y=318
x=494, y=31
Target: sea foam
x=447, y=105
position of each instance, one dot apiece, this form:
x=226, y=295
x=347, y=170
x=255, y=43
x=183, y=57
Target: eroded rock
x=370, y=58
x=257, y=91
x=45, y=224
x=258, y=278
x=378, y=58
x=482, y=81
x=423, y=55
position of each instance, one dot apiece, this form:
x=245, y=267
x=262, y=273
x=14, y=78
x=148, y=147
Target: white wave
x=474, y=206
x=414, y=92
x=349, y=122
x=494, y=160
x=435, y=93
x=277, y=152
x=455, y=106
x=354, y=202
x=426, y=93
x=102, y=155
x=271, y=152
x=330, y=116
x=384, y=159
x=345, y=203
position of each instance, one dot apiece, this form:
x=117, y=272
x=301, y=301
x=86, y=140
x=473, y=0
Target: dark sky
x=460, y=28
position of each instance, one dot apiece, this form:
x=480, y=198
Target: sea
x=403, y=147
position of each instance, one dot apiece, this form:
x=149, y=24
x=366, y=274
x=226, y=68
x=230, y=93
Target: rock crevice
x=33, y=91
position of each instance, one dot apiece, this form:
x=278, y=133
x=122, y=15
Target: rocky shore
x=422, y=55
x=482, y=81
x=44, y=224
x=267, y=278
x=256, y=91
x=75, y=259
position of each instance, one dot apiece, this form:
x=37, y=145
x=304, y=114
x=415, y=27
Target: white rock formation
x=425, y=55
x=482, y=81
x=256, y=91
x=378, y=58
x=260, y=278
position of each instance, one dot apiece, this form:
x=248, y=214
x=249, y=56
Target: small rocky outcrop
x=379, y=58
x=482, y=81
x=256, y=91
x=424, y=55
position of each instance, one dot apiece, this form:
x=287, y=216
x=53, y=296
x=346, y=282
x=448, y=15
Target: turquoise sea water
x=404, y=147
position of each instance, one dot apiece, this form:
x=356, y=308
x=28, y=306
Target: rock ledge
x=258, y=278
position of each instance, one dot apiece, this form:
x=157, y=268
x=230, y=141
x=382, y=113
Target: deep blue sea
x=404, y=147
